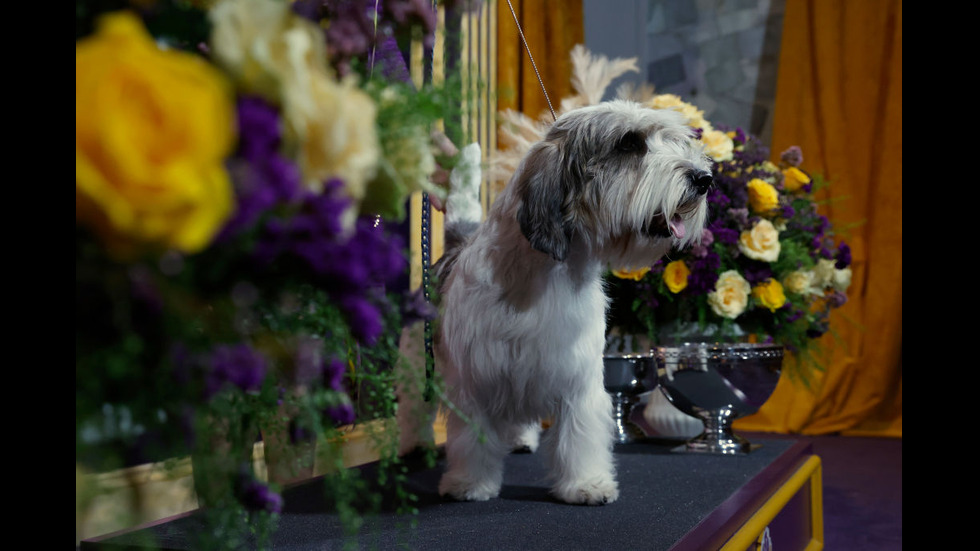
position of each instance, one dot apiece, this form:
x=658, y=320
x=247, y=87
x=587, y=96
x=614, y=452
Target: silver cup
x=625, y=377
x=718, y=383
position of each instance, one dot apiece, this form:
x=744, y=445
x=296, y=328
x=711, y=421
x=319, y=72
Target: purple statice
x=794, y=314
x=256, y=496
x=843, y=256
x=363, y=317
x=793, y=156
x=787, y=211
x=836, y=299
x=704, y=274
x=722, y=234
x=262, y=177
x=238, y=365
x=756, y=272
x=413, y=13
x=333, y=375
x=342, y=414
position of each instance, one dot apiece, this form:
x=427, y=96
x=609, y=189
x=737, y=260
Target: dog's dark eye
x=632, y=142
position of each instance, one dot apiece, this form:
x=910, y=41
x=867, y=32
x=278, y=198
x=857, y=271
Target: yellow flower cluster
x=675, y=276
x=152, y=130
x=763, y=197
x=769, y=294
x=718, y=145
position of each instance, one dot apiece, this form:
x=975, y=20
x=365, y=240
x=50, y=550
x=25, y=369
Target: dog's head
x=626, y=179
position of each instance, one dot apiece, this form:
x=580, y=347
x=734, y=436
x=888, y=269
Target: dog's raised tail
x=463, y=209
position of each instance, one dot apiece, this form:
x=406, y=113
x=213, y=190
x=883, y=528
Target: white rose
x=718, y=145
x=731, y=295
x=841, y=279
x=799, y=282
x=823, y=275
x=761, y=242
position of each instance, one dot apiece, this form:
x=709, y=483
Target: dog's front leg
x=475, y=460
x=579, y=446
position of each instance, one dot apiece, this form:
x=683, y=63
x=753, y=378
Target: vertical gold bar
x=490, y=148
x=416, y=70
x=437, y=231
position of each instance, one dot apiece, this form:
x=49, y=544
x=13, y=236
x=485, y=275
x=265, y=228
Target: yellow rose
x=330, y=126
x=695, y=116
x=718, y=145
x=794, y=179
x=761, y=242
x=763, y=197
x=769, y=294
x=635, y=275
x=152, y=130
x=675, y=276
x=731, y=295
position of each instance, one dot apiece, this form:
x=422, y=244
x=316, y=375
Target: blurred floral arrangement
x=769, y=266
x=237, y=168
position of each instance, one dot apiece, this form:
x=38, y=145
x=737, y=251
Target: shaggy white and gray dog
x=522, y=329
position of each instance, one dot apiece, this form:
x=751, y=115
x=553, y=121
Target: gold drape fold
x=839, y=97
x=552, y=28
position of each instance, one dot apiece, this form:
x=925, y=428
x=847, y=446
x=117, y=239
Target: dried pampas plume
x=591, y=75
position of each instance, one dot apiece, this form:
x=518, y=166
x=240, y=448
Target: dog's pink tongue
x=676, y=226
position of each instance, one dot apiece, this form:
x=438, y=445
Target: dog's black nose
x=701, y=181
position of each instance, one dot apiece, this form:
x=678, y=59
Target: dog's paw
x=593, y=492
x=466, y=490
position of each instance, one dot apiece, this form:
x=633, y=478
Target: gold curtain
x=839, y=97
x=552, y=28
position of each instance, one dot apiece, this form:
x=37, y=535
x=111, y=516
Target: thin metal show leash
x=426, y=229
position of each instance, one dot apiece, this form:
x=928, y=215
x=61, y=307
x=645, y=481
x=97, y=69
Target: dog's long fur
x=522, y=329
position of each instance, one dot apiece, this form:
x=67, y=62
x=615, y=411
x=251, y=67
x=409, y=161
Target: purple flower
x=238, y=365
x=363, y=317
x=263, y=178
x=342, y=414
x=333, y=375
x=792, y=156
x=836, y=299
x=843, y=256
x=256, y=496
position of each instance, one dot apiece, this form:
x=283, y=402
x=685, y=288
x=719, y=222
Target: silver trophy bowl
x=625, y=377
x=718, y=383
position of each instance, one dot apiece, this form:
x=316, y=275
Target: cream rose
x=799, y=282
x=731, y=295
x=823, y=275
x=841, y=279
x=330, y=126
x=761, y=242
x=718, y=145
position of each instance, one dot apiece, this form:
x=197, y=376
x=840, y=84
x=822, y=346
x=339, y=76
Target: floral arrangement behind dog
x=769, y=266
x=235, y=170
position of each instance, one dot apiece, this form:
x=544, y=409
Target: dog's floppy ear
x=543, y=186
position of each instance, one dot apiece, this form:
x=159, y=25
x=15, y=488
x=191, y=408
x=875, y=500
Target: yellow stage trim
x=749, y=534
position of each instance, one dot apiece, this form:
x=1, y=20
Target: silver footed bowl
x=718, y=383
x=625, y=377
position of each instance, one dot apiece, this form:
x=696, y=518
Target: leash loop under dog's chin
x=533, y=65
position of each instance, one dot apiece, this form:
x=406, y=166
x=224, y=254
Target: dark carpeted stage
x=667, y=500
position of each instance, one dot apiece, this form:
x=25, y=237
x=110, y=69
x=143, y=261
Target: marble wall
x=720, y=55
